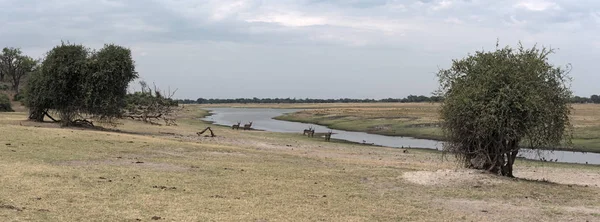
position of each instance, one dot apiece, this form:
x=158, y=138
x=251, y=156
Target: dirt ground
x=168, y=173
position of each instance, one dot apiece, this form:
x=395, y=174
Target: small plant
x=5, y=104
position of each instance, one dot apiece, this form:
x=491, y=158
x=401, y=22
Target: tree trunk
x=507, y=169
x=511, y=160
x=16, y=87
x=48, y=115
x=36, y=115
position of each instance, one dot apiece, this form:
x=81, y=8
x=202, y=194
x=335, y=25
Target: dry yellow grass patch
x=64, y=174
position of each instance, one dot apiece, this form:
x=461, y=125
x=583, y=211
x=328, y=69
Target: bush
x=5, y=104
x=498, y=101
x=18, y=97
x=4, y=87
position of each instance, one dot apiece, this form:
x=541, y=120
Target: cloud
x=444, y=4
x=429, y=33
x=537, y=5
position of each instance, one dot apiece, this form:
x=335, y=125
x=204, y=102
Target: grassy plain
x=138, y=172
x=418, y=120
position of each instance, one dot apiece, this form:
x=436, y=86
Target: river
x=262, y=119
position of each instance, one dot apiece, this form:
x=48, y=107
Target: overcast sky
x=307, y=48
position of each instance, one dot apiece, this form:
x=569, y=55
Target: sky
x=307, y=48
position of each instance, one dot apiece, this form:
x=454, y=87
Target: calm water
x=263, y=120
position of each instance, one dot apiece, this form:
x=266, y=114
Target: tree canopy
x=76, y=81
x=495, y=102
x=14, y=66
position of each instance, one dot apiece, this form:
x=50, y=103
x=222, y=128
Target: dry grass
x=64, y=174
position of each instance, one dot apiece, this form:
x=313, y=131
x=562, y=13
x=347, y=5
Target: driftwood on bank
x=212, y=134
x=82, y=123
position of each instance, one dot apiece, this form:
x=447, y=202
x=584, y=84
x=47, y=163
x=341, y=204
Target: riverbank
x=416, y=120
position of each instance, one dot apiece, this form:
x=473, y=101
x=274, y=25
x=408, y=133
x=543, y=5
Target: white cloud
x=290, y=19
x=366, y=31
x=395, y=5
x=225, y=9
x=444, y=4
x=537, y=5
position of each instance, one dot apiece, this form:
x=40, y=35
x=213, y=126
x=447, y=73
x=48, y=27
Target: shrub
x=495, y=102
x=5, y=105
x=4, y=86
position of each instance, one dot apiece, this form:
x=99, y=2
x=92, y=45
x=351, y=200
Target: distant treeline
x=408, y=99
x=591, y=99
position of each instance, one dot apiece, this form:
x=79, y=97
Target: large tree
x=496, y=102
x=80, y=83
x=14, y=66
x=64, y=71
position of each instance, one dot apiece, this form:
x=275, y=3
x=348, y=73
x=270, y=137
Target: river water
x=262, y=119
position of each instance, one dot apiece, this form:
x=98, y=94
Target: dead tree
x=149, y=104
x=170, y=121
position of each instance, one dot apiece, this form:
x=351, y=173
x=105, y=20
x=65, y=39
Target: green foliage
x=5, y=105
x=64, y=71
x=14, y=66
x=111, y=70
x=595, y=98
x=74, y=80
x=4, y=87
x=37, y=96
x=18, y=97
x=495, y=101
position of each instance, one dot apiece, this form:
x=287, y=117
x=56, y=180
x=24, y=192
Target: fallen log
x=209, y=129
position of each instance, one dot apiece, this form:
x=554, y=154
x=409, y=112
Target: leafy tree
x=111, y=70
x=64, y=71
x=5, y=105
x=595, y=98
x=80, y=83
x=14, y=65
x=37, y=96
x=496, y=101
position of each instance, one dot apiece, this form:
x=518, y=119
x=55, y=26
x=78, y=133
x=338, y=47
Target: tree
x=15, y=66
x=64, y=71
x=80, y=83
x=595, y=98
x=149, y=104
x=37, y=98
x=111, y=70
x=495, y=102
